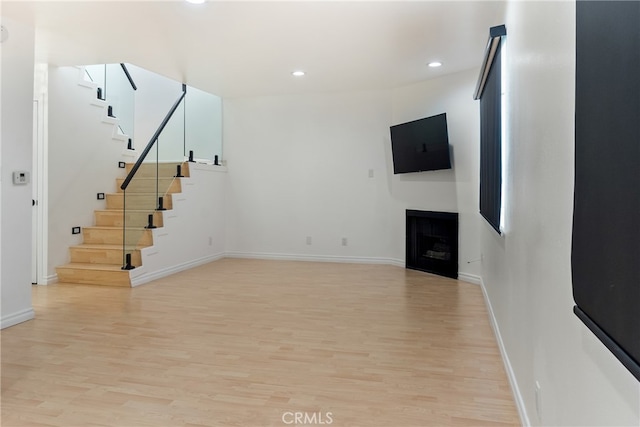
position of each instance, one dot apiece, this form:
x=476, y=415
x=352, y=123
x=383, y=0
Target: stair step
x=137, y=201
x=150, y=185
x=104, y=254
x=94, y=274
x=134, y=218
x=138, y=237
x=165, y=169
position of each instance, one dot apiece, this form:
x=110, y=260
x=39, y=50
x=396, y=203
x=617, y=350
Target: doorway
x=39, y=215
x=35, y=230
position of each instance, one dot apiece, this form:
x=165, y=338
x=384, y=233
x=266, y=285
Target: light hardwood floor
x=252, y=343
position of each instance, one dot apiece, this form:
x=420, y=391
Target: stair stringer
x=193, y=232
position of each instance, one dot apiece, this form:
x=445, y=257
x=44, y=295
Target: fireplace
x=432, y=242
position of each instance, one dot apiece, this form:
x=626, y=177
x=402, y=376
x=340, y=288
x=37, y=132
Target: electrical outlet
x=308, y=240
x=121, y=165
x=370, y=173
x=344, y=241
x=210, y=241
x=100, y=196
x=75, y=230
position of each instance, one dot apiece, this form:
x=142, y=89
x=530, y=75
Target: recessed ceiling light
x=195, y=1
x=298, y=73
x=435, y=64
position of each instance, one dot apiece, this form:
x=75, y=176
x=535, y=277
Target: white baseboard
x=397, y=262
x=49, y=280
x=139, y=277
x=315, y=258
x=465, y=277
x=522, y=411
x=17, y=317
x=469, y=278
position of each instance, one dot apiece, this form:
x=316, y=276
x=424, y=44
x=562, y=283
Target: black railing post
x=161, y=204
x=124, y=231
x=150, y=223
x=179, y=172
x=128, y=265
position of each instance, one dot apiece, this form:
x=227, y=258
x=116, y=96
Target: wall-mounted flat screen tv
x=421, y=145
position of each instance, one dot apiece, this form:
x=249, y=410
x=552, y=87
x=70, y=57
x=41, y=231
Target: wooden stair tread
x=119, y=210
x=89, y=266
x=162, y=166
x=134, y=194
x=139, y=193
x=147, y=178
x=94, y=274
x=104, y=246
x=111, y=227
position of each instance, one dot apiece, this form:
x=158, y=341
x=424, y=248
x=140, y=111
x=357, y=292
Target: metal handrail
x=126, y=73
x=153, y=140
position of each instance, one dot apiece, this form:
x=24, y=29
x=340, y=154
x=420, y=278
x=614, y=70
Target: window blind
x=490, y=94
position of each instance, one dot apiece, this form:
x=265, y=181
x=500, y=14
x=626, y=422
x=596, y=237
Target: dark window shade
x=490, y=145
x=605, y=252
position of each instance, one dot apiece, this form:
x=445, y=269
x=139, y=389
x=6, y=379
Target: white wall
x=83, y=160
x=299, y=166
x=526, y=272
x=15, y=149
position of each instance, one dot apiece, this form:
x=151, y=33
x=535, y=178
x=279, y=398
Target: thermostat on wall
x=20, y=177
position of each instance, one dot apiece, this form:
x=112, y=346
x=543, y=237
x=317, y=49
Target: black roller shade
x=491, y=144
x=605, y=255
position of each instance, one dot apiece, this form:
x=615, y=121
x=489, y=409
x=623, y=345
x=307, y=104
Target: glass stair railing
x=191, y=131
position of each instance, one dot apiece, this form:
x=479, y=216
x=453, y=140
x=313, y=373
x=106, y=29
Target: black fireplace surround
x=432, y=242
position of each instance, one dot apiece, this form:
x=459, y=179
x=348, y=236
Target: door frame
x=39, y=174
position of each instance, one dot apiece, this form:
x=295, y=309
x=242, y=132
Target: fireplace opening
x=432, y=242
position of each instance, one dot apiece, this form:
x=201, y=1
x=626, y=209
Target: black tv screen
x=421, y=145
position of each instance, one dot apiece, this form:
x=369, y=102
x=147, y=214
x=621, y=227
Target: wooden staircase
x=99, y=259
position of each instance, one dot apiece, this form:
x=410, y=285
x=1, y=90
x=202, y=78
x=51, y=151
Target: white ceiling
x=240, y=48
